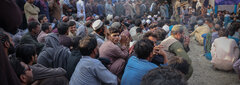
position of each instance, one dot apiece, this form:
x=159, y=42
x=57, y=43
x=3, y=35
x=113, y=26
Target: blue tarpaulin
x=226, y=2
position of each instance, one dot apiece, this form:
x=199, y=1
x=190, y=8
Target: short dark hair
x=25, y=52
x=148, y=34
x=163, y=76
x=160, y=23
x=32, y=25
x=223, y=33
x=106, y=22
x=143, y=48
x=161, y=34
x=4, y=37
x=55, y=81
x=76, y=41
x=167, y=21
x=41, y=16
x=71, y=23
x=45, y=26
x=87, y=45
x=139, y=30
x=62, y=28
x=180, y=64
x=113, y=30
x=17, y=67
x=153, y=25
x=138, y=22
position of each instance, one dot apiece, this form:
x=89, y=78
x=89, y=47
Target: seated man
x=27, y=54
x=224, y=51
x=177, y=45
x=90, y=71
x=31, y=36
x=115, y=50
x=179, y=64
x=139, y=65
x=63, y=31
x=46, y=29
x=163, y=76
x=23, y=71
x=199, y=31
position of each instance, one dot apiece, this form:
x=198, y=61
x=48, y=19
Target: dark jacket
x=29, y=39
x=72, y=62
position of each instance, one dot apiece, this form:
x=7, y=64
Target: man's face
x=180, y=37
x=27, y=77
x=45, y=20
x=73, y=29
x=153, y=39
x=114, y=37
x=36, y=30
x=31, y=1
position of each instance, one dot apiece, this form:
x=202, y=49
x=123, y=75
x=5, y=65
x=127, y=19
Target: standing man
x=109, y=8
x=81, y=10
x=31, y=11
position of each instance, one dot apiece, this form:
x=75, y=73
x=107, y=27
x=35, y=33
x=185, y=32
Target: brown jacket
x=54, y=9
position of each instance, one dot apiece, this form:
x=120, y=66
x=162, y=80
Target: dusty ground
x=203, y=73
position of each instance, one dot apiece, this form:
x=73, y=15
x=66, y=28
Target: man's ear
x=23, y=78
x=6, y=44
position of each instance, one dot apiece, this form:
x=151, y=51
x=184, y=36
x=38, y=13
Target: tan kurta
x=199, y=31
x=31, y=11
x=224, y=53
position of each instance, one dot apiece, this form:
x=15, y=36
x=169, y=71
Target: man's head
x=217, y=27
x=88, y=46
x=72, y=26
x=177, y=32
x=113, y=35
x=144, y=49
x=34, y=28
x=180, y=64
x=161, y=34
x=42, y=18
x=47, y=27
x=139, y=30
x=163, y=76
x=7, y=43
x=151, y=36
x=23, y=71
x=27, y=53
x=138, y=23
x=99, y=27
x=223, y=33
x=153, y=27
x=63, y=28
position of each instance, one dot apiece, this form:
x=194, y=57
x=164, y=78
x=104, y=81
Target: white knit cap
x=109, y=17
x=97, y=24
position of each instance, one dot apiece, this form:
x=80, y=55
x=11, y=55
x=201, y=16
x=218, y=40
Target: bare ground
x=203, y=73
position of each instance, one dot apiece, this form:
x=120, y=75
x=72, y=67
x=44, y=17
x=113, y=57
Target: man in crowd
x=42, y=19
x=224, y=51
x=90, y=70
x=138, y=24
x=115, y=51
x=140, y=64
x=46, y=29
x=64, y=39
x=99, y=30
x=200, y=30
x=31, y=36
x=177, y=45
x=30, y=10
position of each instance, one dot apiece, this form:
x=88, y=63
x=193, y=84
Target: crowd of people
x=124, y=42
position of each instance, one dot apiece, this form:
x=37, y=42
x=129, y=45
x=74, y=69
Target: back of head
x=177, y=29
x=138, y=22
x=180, y=64
x=87, y=45
x=223, y=33
x=17, y=67
x=139, y=30
x=32, y=25
x=62, y=28
x=45, y=26
x=150, y=34
x=163, y=76
x=161, y=34
x=26, y=52
x=143, y=48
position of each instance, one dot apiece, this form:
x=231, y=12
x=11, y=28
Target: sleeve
x=236, y=66
x=235, y=50
x=41, y=72
x=120, y=52
x=178, y=49
x=30, y=9
x=105, y=75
